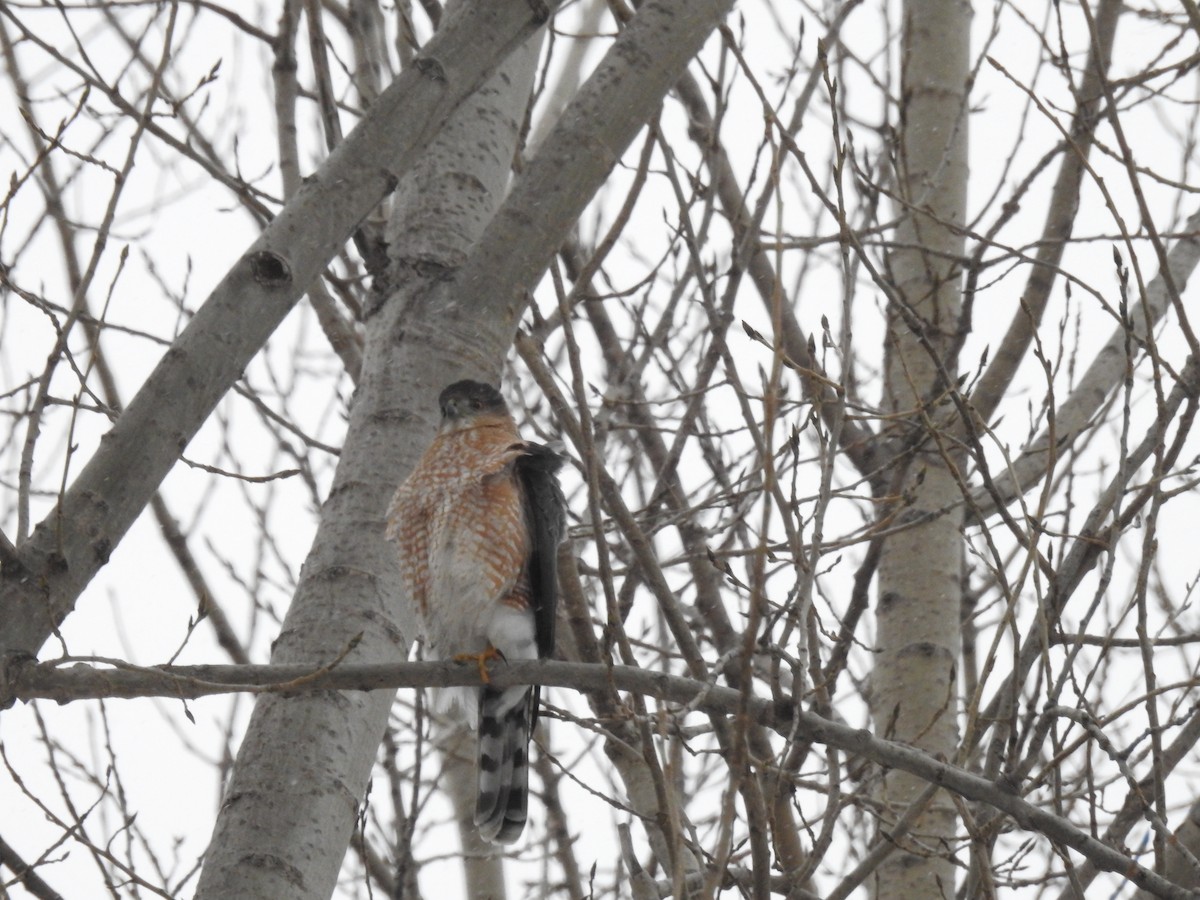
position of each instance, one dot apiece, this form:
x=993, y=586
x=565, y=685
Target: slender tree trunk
x=914, y=695
x=439, y=215
x=483, y=868
x=291, y=804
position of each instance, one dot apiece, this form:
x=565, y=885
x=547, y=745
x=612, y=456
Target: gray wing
x=507, y=716
x=545, y=513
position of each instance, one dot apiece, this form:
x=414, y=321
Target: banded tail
x=505, y=725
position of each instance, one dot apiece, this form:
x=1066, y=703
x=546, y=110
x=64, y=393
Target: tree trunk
x=291, y=804
x=914, y=695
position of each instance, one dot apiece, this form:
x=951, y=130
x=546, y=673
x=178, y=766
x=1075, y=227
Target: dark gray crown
x=470, y=398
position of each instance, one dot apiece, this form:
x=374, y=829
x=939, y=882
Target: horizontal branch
x=67, y=683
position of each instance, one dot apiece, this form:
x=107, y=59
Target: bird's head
x=466, y=401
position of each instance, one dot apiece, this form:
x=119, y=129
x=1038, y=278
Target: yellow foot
x=481, y=659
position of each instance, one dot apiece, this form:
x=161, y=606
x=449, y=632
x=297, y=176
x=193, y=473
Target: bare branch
x=187, y=682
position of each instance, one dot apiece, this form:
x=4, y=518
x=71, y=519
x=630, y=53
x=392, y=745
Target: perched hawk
x=477, y=524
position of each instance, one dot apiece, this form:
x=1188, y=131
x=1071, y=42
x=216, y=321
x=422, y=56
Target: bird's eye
x=476, y=404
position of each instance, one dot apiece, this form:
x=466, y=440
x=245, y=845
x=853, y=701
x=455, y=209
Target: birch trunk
x=914, y=695
x=287, y=816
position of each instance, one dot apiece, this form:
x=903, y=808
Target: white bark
x=311, y=755
x=616, y=101
x=914, y=693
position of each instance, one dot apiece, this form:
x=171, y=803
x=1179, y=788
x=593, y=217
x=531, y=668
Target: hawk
x=477, y=525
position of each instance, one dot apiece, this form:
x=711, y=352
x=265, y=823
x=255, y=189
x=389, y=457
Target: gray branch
x=64, y=684
x=1075, y=415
